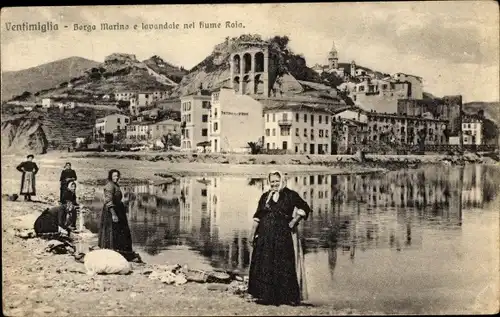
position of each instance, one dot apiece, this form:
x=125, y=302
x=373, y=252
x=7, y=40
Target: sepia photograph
x=251, y=159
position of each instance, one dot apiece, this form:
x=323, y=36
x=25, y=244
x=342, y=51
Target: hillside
x=58, y=129
x=160, y=66
x=43, y=76
x=214, y=70
x=491, y=109
x=119, y=72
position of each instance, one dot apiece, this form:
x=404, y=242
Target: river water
x=408, y=241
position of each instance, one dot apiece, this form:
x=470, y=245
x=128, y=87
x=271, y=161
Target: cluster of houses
x=304, y=117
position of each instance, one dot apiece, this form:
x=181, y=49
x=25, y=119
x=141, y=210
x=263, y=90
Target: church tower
x=353, y=69
x=333, y=59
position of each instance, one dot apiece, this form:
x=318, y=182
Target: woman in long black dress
x=67, y=175
x=69, y=201
x=114, y=232
x=29, y=170
x=273, y=273
x=53, y=220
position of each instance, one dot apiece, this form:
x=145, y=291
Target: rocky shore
x=37, y=282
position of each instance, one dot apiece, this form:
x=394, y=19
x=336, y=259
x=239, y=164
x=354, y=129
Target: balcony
x=285, y=122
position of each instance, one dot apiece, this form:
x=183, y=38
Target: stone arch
x=247, y=63
x=236, y=83
x=236, y=63
x=259, y=62
x=246, y=85
x=258, y=85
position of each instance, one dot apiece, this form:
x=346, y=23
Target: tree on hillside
x=281, y=41
x=332, y=79
x=122, y=104
x=25, y=95
x=490, y=130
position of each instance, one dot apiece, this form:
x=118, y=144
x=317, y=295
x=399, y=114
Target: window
x=285, y=116
x=311, y=180
x=305, y=132
x=312, y=120
x=305, y=117
x=204, y=132
x=320, y=133
x=118, y=120
x=267, y=117
x=326, y=148
x=267, y=146
x=204, y=118
x=268, y=132
x=304, y=181
x=296, y=117
x=312, y=134
x=274, y=117
x=215, y=113
x=320, y=119
x=205, y=104
x=274, y=132
x=204, y=192
x=326, y=133
x=285, y=131
x=305, y=147
x=326, y=119
x=296, y=131
x=216, y=126
x=274, y=146
x=126, y=120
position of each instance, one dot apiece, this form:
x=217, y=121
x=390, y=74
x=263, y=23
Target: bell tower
x=333, y=60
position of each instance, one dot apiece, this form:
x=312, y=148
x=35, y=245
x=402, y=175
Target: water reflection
x=351, y=213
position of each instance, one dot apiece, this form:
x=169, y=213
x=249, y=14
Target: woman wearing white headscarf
x=273, y=269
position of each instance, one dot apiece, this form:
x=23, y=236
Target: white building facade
x=298, y=129
x=195, y=111
x=112, y=123
x=235, y=120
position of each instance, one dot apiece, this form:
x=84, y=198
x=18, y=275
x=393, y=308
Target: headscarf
x=272, y=193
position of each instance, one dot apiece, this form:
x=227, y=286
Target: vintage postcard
x=250, y=159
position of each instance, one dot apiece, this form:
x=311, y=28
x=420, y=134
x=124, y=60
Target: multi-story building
x=416, y=86
x=139, y=131
x=195, y=111
x=379, y=94
x=472, y=130
x=347, y=134
x=111, y=124
x=165, y=127
x=394, y=128
x=124, y=95
x=404, y=129
x=297, y=128
x=235, y=120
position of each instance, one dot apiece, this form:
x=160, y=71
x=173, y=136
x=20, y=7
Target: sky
x=454, y=46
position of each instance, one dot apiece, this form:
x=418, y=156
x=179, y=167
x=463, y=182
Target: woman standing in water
x=114, y=232
x=29, y=170
x=67, y=175
x=273, y=273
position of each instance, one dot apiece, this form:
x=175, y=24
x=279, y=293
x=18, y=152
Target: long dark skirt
x=28, y=184
x=48, y=221
x=273, y=276
x=115, y=235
